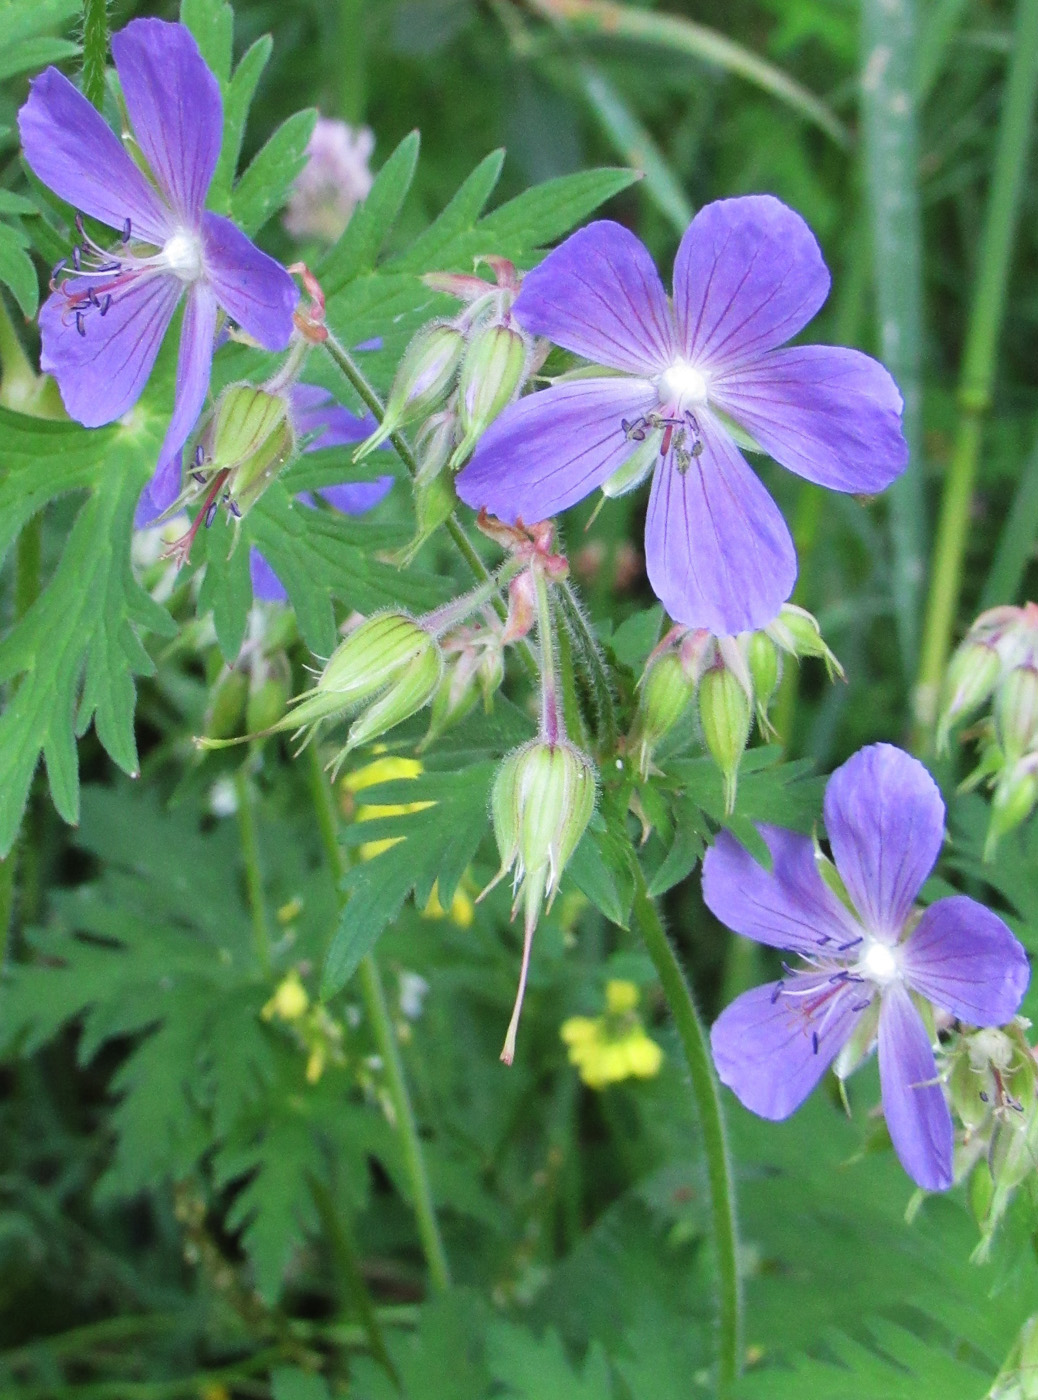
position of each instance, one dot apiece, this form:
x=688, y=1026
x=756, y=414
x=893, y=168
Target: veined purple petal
x=102, y=371
x=255, y=290
x=828, y=414
x=771, y=1047
x=315, y=413
x=599, y=295
x=748, y=275
x=917, y=1116
x=75, y=153
x=552, y=448
x=885, y=820
x=266, y=586
x=161, y=491
x=717, y=549
x=355, y=497
x=174, y=105
x=964, y=958
x=788, y=906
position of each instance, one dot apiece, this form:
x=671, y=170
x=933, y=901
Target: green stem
x=385, y=1040
x=591, y=658
x=553, y=726
x=706, y=1093
x=978, y=365
x=253, y=870
x=95, y=49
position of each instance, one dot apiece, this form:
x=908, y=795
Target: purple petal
x=266, y=586
x=964, y=958
x=316, y=414
x=917, y=1116
x=717, y=549
x=553, y=447
x=255, y=290
x=748, y=275
x=355, y=497
x=885, y=821
x=788, y=906
x=194, y=363
x=599, y=295
x=75, y=153
x=101, y=373
x=771, y=1048
x=174, y=105
x=830, y=415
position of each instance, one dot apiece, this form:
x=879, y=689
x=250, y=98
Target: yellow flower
x=614, y=1046
x=289, y=1002
x=382, y=770
x=462, y=910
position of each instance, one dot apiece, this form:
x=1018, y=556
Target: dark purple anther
x=776, y=993
x=199, y=455
x=92, y=297
x=77, y=257
x=199, y=477
x=106, y=302
x=79, y=225
x=80, y=323
x=210, y=514
x=59, y=268
x=814, y=1042
x=127, y=230
x=233, y=507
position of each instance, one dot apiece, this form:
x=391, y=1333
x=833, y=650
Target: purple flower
x=863, y=963
x=110, y=308
x=326, y=424
x=748, y=275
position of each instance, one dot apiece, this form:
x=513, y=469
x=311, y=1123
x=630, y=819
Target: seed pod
x=492, y=374
x=725, y=713
x=423, y=380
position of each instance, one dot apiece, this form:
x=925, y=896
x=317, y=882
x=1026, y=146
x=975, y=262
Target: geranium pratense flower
x=748, y=275
x=865, y=961
x=109, y=311
x=325, y=424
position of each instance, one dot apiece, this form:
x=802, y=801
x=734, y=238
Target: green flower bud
x=664, y=693
x=267, y=704
x=251, y=437
x=541, y=802
x=725, y=713
x=971, y=677
x=762, y=657
x=404, y=698
x=797, y=632
x=1016, y=712
x=227, y=706
x=1016, y=793
x=636, y=468
x=423, y=380
x=492, y=374
x=475, y=673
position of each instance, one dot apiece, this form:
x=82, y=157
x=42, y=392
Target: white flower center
x=182, y=253
x=879, y=963
x=683, y=385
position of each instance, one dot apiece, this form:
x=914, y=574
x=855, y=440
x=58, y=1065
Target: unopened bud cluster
x=455, y=377
x=731, y=679
x=996, y=666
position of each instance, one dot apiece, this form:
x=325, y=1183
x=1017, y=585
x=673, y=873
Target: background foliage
x=184, y=1208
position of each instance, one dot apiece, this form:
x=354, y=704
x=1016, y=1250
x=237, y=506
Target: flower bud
x=765, y=665
x=725, y=712
x=266, y=705
x=1016, y=793
x=492, y=374
x=1016, y=712
x=796, y=631
x=665, y=691
x=541, y=802
x=635, y=469
x=251, y=437
x=227, y=706
x=422, y=382
x=971, y=677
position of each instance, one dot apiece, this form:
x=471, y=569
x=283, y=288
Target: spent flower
x=334, y=180
x=748, y=275
x=110, y=307
x=869, y=959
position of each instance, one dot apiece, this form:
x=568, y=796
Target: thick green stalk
x=95, y=49
x=707, y=1095
x=978, y=365
x=381, y=1023
x=888, y=109
x=253, y=870
x=590, y=655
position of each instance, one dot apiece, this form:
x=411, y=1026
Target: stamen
x=80, y=323
x=127, y=230
x=199, y=455
x=58, y=269
x=106, y=302
x=210, y=514
x=77, y=257
x=777, y=992
x=814, y=1042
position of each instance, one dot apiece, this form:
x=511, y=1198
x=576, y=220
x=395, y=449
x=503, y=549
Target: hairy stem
x=381, y=1023
x=978, y=365
x=590, y=654
x=95, y=49
x=552, y=726
x=706, y=1092
x=253, y=871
